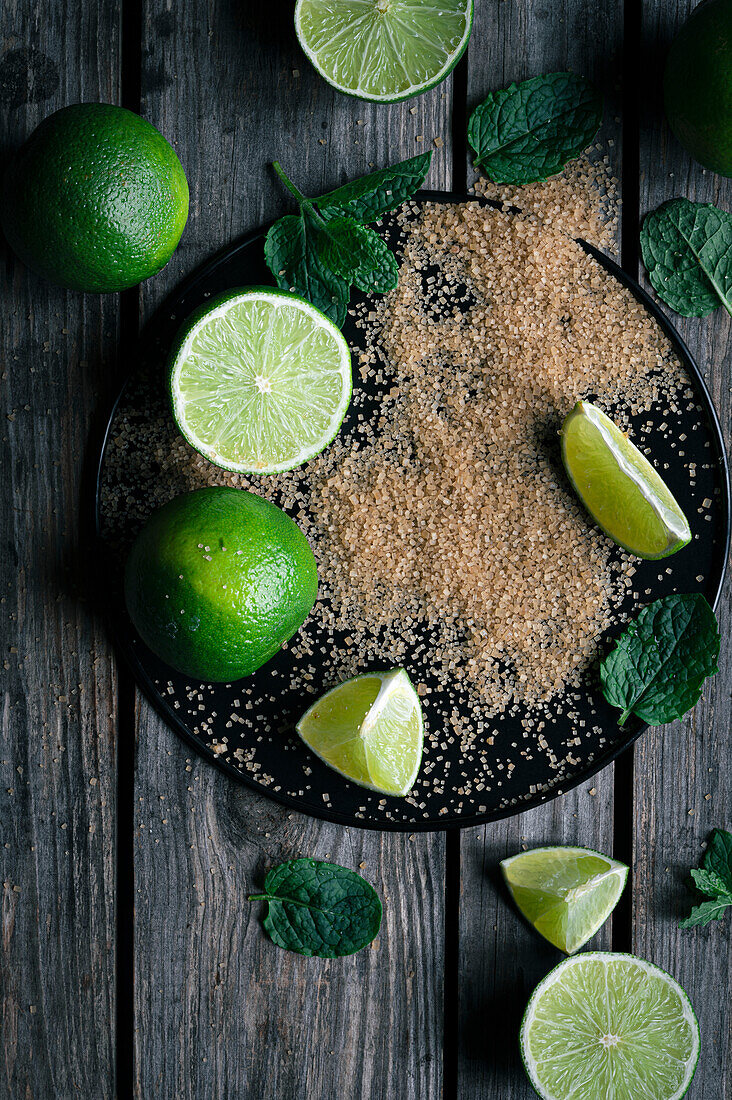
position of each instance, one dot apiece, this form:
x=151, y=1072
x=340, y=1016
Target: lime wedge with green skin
x=619, y=487
x=565, y=893
x=605, y=1026
x=260, y=380
x=370, y=730
x=384, y=50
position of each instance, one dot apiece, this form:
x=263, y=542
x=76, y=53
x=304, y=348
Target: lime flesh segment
x=565, y=893
x=261, y=381
x=605, y=1026
x=383, y=50
x=370, y=730
x=619, y=487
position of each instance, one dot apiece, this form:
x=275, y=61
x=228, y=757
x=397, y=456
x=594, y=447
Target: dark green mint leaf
x=659, y=664
x=317, y=908
x=366, y=199
x=710, y=883
x=706, y=912
x=345, y=245
x=528, y=131
x=718, y=856
x=358, y=254
x=291, y=254
x=687, y=251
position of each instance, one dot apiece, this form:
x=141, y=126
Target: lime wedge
x=383, y=50
x=260, y=381
x=566, y=893
x=370, y=730
x=603, y=1026
x=619, y=487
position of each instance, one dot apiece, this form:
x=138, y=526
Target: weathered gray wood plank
x=683, y=772
x=58, y=683
x=501, y=959
x=220, y=1011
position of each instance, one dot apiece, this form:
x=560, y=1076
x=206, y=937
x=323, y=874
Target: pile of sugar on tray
x=446, y=534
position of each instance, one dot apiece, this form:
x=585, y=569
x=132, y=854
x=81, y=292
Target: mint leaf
x=528, y=131
x=366, y=199
x=714, y=879
x=345, y=245
x=704, y=913
x=291, y=253
x=718, y=856
x=659, y=664
x=687, y=251
x=710, y=883
x=318, y=908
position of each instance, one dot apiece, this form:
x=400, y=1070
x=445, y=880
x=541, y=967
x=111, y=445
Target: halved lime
x=619, y=487
x=260, y=380
x=603, y=1026
x=370, y=730
x=384, y=50
x=566, y=893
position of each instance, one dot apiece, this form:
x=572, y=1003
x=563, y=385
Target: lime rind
x=566, y=893
x=357, y=737
x=232, y=355
x=389, y=41
x=656, y=515
x=579, y=1016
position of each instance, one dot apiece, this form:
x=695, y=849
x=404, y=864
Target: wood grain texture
x=219, y=1010
x=683, y=772
x=57, y=680
x=501, y=959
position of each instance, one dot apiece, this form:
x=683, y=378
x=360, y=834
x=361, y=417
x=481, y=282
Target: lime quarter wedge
x=370, y=730
x=565, y=893
x=260, y=381
x=383, y=50
x=607, y=1026
x=619, y=487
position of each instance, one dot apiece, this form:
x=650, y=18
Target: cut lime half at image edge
x=383, y=50
x=260, y=380
x=607, y=1026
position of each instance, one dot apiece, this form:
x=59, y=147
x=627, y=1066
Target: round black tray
x=262, y=728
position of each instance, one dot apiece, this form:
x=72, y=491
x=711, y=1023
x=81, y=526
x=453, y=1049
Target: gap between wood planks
x=131, y=88
x=132, y=28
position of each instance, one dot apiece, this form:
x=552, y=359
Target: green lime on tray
x=96, y=199
x=217, y=580
x=619, y=487
x=370, y=730
x=383, y=50
x=605, y=1026
x=567, y=894
x=260, y=380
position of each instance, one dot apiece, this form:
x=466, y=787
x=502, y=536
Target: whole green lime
x=96, y=199
x=698, y=85
x=217, y=580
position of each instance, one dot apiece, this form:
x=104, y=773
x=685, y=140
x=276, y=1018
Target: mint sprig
x=714, y=880
x=687, y=252
x=328, y=247
x=318, y=908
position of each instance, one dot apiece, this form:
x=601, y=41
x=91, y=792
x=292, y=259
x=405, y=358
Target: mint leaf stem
x=302, y=199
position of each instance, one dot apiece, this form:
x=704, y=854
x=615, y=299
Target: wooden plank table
x=130, y=961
